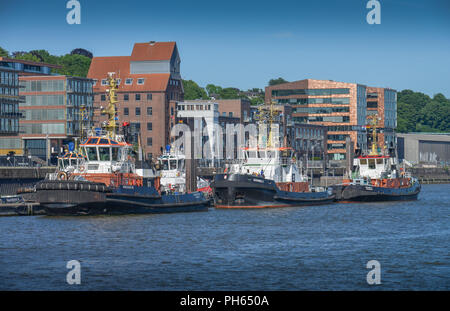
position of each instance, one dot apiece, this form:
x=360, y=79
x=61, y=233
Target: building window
x=171, y=111
x=126, y=97
x=129, y=81
x=95, y=82
x=103, y=97
x=138, y=111
x=118, y=81
x=125, y=111
x=149, y=96
x=149, y=126
x=140, y=81
x=149, y=155
x=230, y=114
x=149, y=142
x=138, y=96
x=149, y=111
x=104, y=82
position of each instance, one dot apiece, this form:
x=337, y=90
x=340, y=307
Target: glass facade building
x=55, y=109
x=339, y=106
x=9, y=101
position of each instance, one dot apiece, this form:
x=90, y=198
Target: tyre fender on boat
x=62, y=176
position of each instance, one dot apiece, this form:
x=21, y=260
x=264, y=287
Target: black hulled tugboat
x=377, y=177
x=267, y=177
x=101, y=179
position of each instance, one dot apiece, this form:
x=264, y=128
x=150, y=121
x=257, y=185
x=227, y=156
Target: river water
x=305, y=248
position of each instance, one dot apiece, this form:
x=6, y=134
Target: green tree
x=257, y=100
x=417, y=112
x=230, y=93
x=3, y=52
x=277, y=81
x=74, y=65
x=28, y=56
x=213, y=89
x=193, y=91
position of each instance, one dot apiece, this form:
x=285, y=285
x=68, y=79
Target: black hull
x=362, y=193
x=122, y=201
x=247, y=191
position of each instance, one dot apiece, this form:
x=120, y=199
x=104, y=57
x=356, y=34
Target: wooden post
x=191, y=174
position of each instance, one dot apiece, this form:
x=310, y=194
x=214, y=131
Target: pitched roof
x=100, y=67
x=149, y=51
x=152, y=51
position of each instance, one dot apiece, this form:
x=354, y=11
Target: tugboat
x=268, y=177
x=171, y=167
x=377, y=177
x=101, y=178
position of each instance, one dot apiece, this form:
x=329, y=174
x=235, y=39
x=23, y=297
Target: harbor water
x=301, y=248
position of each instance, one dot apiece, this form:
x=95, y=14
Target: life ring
x=62, y=176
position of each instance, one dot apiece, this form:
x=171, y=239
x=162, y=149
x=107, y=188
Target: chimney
x=152, y=42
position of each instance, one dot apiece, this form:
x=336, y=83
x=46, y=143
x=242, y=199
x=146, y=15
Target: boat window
x=173, y=164
x=165, y=164
x=92, y=153
x=180, y=164
x=115, y=154
x=104, y=153
x=66, y=163
x=363, y=161
x=379, y=161
x=103, y=142
x=60, y=163
x=371, y=164
x=261, y=154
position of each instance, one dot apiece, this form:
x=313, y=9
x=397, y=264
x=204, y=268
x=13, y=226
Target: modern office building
x=339, y=106
x=149, y=87
x=11, y=98
x=54, y=111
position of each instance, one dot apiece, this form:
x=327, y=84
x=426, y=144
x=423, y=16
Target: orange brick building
x=149, y=87
x=342, y=107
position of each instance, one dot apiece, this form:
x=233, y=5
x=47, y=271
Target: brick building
x=149, y=86
x=339, y=106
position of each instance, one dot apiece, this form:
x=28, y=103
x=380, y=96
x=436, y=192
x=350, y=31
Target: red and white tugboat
x=101, y=178
x=377, y=177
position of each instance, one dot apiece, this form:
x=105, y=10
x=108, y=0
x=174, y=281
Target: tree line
x=418, y=112
x=76, y=63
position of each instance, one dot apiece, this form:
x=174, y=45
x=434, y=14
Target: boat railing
x=104, y=133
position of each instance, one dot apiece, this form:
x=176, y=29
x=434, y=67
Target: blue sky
x=245, y=43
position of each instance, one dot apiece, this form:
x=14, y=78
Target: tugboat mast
x=110, y=110
x=374, y=151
